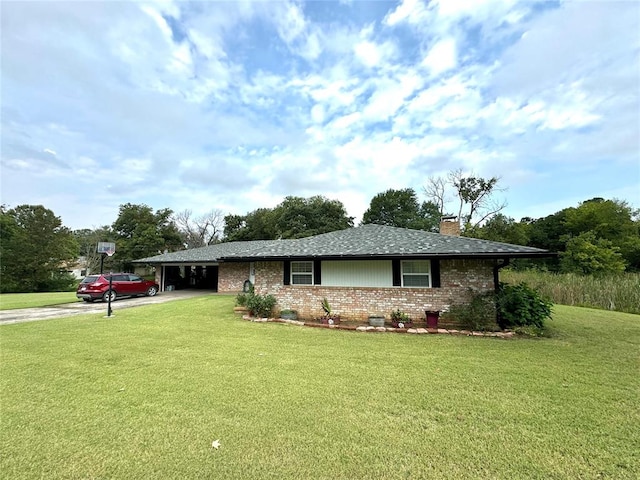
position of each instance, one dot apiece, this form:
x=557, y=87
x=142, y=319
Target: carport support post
x=109, y=299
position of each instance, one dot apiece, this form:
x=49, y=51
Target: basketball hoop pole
x=102, y=255
x=109, y=299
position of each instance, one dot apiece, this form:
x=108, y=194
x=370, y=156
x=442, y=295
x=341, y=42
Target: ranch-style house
x=360, y=271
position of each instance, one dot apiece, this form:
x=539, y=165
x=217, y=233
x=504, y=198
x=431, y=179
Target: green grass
x=143, y=395
x=11, y=301
x=615, y=292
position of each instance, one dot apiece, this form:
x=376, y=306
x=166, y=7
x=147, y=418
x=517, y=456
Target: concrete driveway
x=80, y=308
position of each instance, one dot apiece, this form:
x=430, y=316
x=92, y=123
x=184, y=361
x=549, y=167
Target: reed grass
x=615, y=292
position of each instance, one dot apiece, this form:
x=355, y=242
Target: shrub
x=479, y=313
x=260, y=305
x=243, y=297
x=521, y=306
x=399, y=316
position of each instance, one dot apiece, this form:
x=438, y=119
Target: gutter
x=496, y=272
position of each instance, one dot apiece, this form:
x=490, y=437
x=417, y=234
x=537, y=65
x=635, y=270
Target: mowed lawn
x=143, y=395
x=12, y=301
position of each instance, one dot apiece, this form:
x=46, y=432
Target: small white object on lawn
x=215, y=444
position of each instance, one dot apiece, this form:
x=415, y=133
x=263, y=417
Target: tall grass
x=616, y=292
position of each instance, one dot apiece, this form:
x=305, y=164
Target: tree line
x=598, y=236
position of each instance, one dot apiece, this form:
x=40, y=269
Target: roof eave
x=488, y=255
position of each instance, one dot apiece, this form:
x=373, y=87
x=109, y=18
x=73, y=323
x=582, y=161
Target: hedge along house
x=374, y=269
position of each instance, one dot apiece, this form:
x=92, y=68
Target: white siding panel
x=357, y=273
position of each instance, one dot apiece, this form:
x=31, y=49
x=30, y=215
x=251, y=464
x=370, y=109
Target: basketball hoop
x=105, y=249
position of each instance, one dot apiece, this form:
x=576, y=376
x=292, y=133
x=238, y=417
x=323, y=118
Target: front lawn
x=144, y=394
x=11, y=301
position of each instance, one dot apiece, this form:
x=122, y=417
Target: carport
x=197, y=267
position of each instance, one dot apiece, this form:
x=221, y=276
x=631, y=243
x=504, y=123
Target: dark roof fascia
x=444, y=256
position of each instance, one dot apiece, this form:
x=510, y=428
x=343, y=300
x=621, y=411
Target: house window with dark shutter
x=416, y=273
x=301, y=273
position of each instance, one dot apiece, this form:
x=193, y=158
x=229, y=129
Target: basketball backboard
x=108, y=248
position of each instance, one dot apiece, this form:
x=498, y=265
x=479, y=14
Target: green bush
x=260, y=305
x=521, y=306
x=479, y=313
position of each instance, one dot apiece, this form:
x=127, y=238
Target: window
x=416, y=273
x=301, y=273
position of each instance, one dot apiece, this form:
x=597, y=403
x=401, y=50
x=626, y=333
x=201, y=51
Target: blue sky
x=235, y=105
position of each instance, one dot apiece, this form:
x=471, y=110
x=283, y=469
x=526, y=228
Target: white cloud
x=412, y=11
x=236, y=105
x=441, y=57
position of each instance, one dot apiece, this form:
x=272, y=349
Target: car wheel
x=152, y=291
x=105, y=296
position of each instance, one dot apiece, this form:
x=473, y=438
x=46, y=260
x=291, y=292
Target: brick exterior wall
x=357, y=303
x=231, y=277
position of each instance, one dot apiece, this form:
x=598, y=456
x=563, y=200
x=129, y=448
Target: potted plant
x=288, y=314
x=329, y=318
x=399, y=319
x=376, y=320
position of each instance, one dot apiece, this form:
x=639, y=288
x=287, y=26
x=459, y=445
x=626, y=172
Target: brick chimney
x=450, y=226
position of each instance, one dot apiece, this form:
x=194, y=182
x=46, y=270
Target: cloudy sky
x=235, y=105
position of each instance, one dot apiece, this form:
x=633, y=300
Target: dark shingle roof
x=383, y=241
x=366, y=241
x=207, y=254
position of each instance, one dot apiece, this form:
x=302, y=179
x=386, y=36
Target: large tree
x=36, y=250
x=401, y=208
x=88, y=240
x=590, y=255
x=256, y=225
x=295, y=217
x=474, y=198
x=501, y=228
x=141, y=232
x=611, y=224
x=202, y=230
x=298, y=217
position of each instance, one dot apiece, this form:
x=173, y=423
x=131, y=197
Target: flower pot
x=376, y=321
x=400, y=324
x=289, y=315
x=332, y=320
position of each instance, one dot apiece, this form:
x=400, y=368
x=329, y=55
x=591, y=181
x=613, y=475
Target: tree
x=298, y=217
x=142, y=233
x=87, y=240
x=199, y=231
x=611, y=220
x=501, y=228
x=475, y=198
x=35, y=250
x=256, y=225
x=400, y=208
x=590, y=255
x=295, y=217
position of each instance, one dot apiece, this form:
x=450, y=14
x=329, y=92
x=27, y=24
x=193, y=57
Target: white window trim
x=292, y=273
x=403, y=274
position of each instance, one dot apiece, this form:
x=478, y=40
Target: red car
x=94, y=287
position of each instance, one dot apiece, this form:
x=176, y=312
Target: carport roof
x=366, y=241
x=208, y=254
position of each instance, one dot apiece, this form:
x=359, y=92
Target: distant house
x=361, y=270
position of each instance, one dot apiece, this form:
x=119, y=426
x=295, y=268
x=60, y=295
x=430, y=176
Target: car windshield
x=90, y=279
